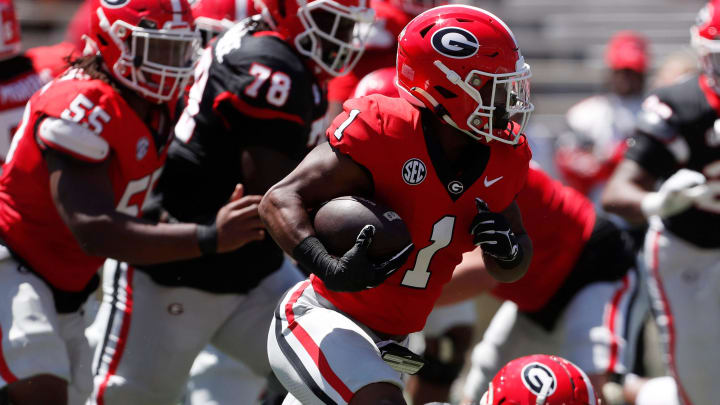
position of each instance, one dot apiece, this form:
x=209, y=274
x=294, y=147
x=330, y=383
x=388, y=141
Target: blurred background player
x=670, y=179
x=453, y=123
x=22, y=73
x=580, y=298
x=212, y=17
x=598, y=126
x=540, y=380
x=391, y=16
x=90, y=146
x=257, y=90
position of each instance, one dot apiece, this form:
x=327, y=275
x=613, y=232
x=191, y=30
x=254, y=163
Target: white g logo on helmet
x=455, y=42
x=114, y=3
x=538, y=378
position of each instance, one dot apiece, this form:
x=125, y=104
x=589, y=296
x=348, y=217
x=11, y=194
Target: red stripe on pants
x=655, y=267
x=122, y=339
x=614, y=347
x=312, y=348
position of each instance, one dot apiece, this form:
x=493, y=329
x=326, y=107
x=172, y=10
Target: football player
x=257, y=89
x=448, y=331
x=90, y=145
x=22, y=73
x=540, y=379
x=677, y=144
x=580, y=299
x=598, y=126
x=449, y=159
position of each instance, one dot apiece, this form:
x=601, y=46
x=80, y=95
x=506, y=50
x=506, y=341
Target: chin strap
x=443, y=112
x=455, y=79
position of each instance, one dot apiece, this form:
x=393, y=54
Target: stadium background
x=562, y=40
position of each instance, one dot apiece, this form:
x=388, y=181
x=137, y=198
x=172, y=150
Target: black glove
x=491, y=231
x=353, y=271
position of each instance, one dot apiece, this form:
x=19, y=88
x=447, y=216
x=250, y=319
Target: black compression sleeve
x=311, y=254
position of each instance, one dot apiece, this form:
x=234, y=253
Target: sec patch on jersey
x=339, y=221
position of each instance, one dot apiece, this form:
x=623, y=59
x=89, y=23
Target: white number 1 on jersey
x=418, y=276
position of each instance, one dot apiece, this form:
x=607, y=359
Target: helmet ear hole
x=281, y=8
x=425, y=30
x=445, y=92
x=102, y=40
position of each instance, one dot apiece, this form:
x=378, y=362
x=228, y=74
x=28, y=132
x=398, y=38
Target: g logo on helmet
x=455, y=42
x=114, y=3
x=536, y=376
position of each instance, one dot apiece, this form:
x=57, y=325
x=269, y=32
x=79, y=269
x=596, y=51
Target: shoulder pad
x=360, y=111
x=653, y=119
x=74, y=139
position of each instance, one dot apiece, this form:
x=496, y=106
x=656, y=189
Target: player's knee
x=378, y=394
x=44, y=389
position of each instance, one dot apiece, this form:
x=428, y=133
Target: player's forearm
x=626, y=190
x=136, y=241
x=509, y=275
x=469, y=279
x=625, y=200
x=285, y=217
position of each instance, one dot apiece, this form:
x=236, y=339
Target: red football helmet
x=325, y=31
x=705, y=38
x=149, y=46
x=9, y=30
x=464, y=63
x=540, y=380
x=381, y=81
x=213, y=17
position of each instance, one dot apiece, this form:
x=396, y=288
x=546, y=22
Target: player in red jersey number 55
x=89, y=149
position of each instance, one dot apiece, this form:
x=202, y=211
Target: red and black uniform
x=677, y=129
x=30, y=225
x=389, y=137
x=572, y=247
x=251, y=89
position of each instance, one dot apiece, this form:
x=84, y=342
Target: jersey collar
x=463, y=172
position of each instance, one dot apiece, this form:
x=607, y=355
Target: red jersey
x=385, y=135
x=109, y=130
x=559, y=221
x=23, y=76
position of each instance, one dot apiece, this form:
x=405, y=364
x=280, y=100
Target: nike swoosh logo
x=491, y=182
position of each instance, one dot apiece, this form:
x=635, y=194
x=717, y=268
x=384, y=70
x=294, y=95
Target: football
x=338, y=222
